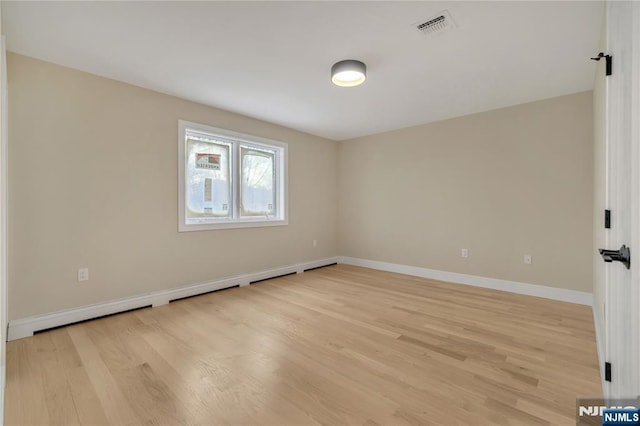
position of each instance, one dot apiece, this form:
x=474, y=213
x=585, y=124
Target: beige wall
x=93, y=182
x=501, y=183
x=599, y=194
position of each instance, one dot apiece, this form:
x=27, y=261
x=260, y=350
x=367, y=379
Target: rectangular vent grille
x=436, y=24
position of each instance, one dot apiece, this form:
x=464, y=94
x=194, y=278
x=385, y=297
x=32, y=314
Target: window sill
x=231, y=225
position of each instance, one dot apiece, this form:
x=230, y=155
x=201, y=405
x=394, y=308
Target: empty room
x=319, y=213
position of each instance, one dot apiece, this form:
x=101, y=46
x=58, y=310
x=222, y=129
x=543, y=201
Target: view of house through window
x=208, y=178
x=230, y=180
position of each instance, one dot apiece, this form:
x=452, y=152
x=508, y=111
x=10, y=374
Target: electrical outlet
x=527, y=259
x=464, y=253
x=315, y=243
x=83, y=274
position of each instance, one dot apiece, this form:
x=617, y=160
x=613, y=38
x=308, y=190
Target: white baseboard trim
x=25, y=327
x=561, y=294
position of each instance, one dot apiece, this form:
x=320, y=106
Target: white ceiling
x=271, y=60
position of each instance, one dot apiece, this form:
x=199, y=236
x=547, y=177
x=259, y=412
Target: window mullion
x=276, y=183
x=236, y=180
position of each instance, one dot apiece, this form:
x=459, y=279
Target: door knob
x=623, y=255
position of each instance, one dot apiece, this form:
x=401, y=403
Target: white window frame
x=236, y=221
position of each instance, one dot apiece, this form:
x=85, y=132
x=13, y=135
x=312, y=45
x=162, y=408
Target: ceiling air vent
x=436, y=24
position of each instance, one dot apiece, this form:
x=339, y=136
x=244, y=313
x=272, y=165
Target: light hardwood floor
x=337, y=345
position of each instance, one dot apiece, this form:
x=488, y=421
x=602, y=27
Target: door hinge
x=607, y=371
x=607, y=219
x=608, y=60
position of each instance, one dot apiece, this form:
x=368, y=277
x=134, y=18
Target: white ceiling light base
x=348, y=73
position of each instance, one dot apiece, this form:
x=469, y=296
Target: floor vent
x=437, y=24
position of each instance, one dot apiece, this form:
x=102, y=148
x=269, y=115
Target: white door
x=622, y=322
x=3, y=219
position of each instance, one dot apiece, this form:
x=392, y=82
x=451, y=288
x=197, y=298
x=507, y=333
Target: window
x=229, y=180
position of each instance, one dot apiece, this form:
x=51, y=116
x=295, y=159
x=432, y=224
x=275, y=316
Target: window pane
x=257, y=191
x=208, y=183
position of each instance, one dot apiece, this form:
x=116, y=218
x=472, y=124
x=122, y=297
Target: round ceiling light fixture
x=348, y=73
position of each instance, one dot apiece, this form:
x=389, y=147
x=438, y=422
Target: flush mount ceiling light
x=348, y=73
